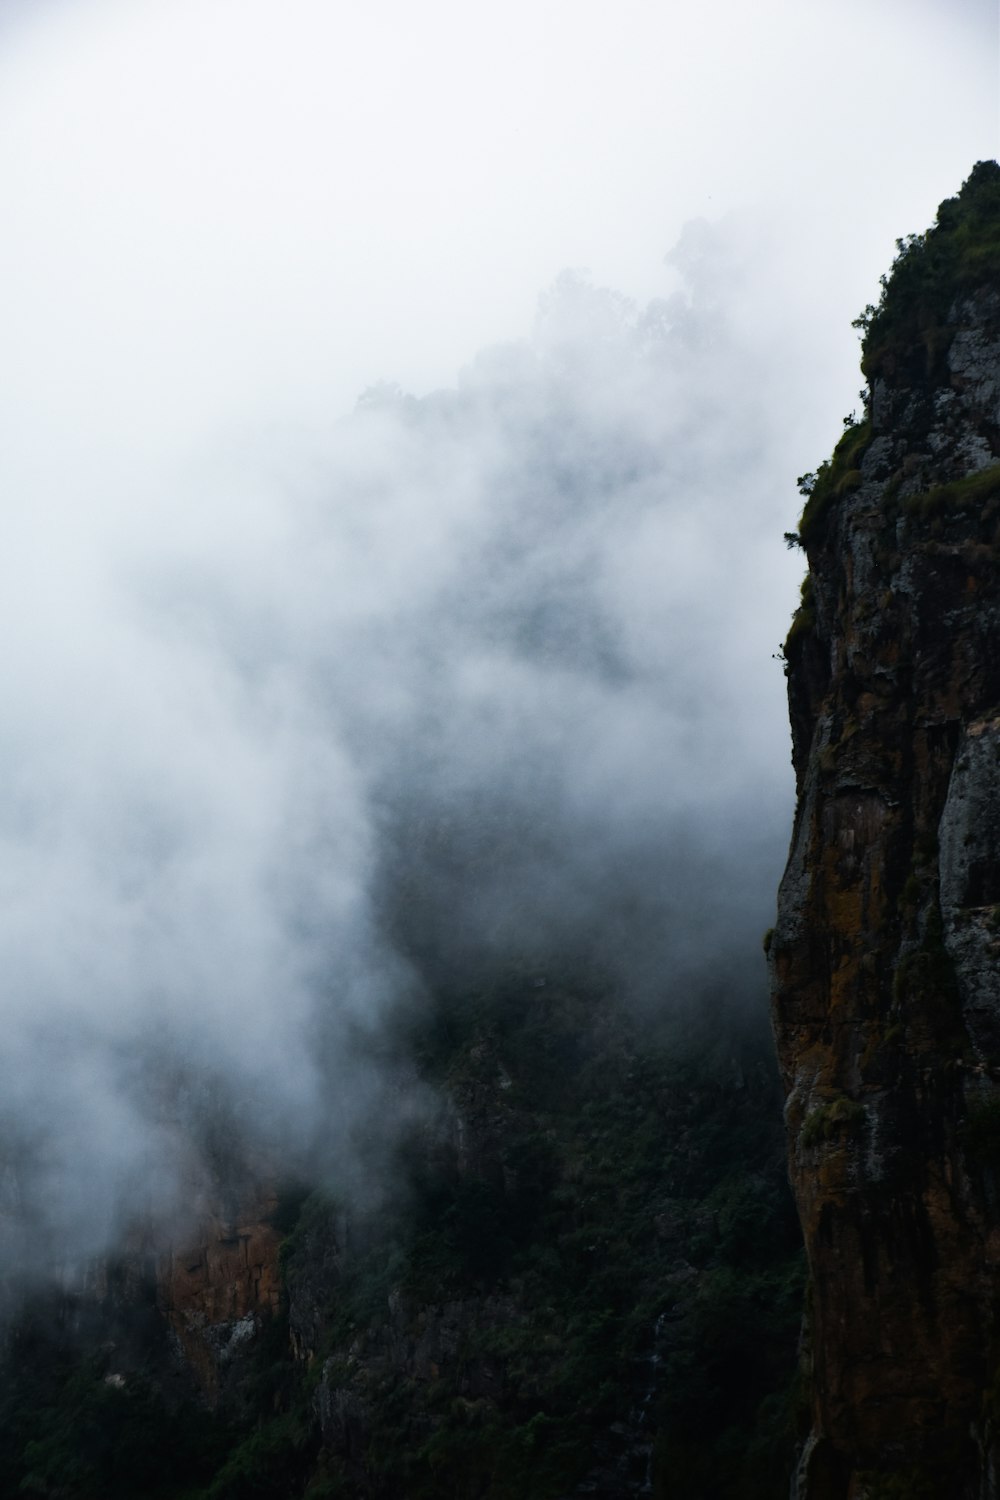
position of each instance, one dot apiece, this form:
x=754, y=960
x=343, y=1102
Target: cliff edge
x=886, y=955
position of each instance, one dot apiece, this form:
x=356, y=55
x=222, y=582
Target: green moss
x=980, y=491
x=804, y=619
x=836, y=477
x=848, y=482
x=838, y=1116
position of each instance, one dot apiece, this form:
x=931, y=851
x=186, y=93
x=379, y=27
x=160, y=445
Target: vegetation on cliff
x=907, y=331
x=905, y=336
x=590, y=1273
x=836, y=476
x=883, y=957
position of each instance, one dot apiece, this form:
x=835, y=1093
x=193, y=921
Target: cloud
x=307, y=713
x=303, y=727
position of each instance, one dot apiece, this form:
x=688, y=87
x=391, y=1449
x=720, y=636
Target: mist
x=335, y=676
x=462, y=682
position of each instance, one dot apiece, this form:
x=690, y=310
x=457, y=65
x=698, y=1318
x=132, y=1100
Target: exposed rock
x=884, y=958
x=216, y=1290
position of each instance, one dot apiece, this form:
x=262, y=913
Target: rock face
x=217, y=1289
x=886, y=955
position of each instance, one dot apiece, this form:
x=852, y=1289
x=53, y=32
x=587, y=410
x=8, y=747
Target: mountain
x=885, y=954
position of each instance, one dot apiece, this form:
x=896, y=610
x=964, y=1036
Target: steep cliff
x=886, y=954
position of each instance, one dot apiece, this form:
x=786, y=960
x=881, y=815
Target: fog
x=383, y=601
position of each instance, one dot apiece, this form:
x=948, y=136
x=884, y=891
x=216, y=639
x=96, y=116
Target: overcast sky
x=306, y=701
x=270, y=208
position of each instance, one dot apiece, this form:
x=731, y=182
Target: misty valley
x=420, y=1080
x=414, y=1129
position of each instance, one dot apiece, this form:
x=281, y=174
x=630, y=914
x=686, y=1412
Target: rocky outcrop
x=886, y=954
x=218, y=1288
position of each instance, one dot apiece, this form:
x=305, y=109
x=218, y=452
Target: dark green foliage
x=272, y=1463
x=620, y=1240
x=724, y=1362
x=67, y=1434
x=905, y=336
x=908, y=331
x=477, y=1453
x=836, y=477
x=615, y=1250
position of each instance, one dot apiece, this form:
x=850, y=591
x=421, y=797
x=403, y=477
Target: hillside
x=588, y=1281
